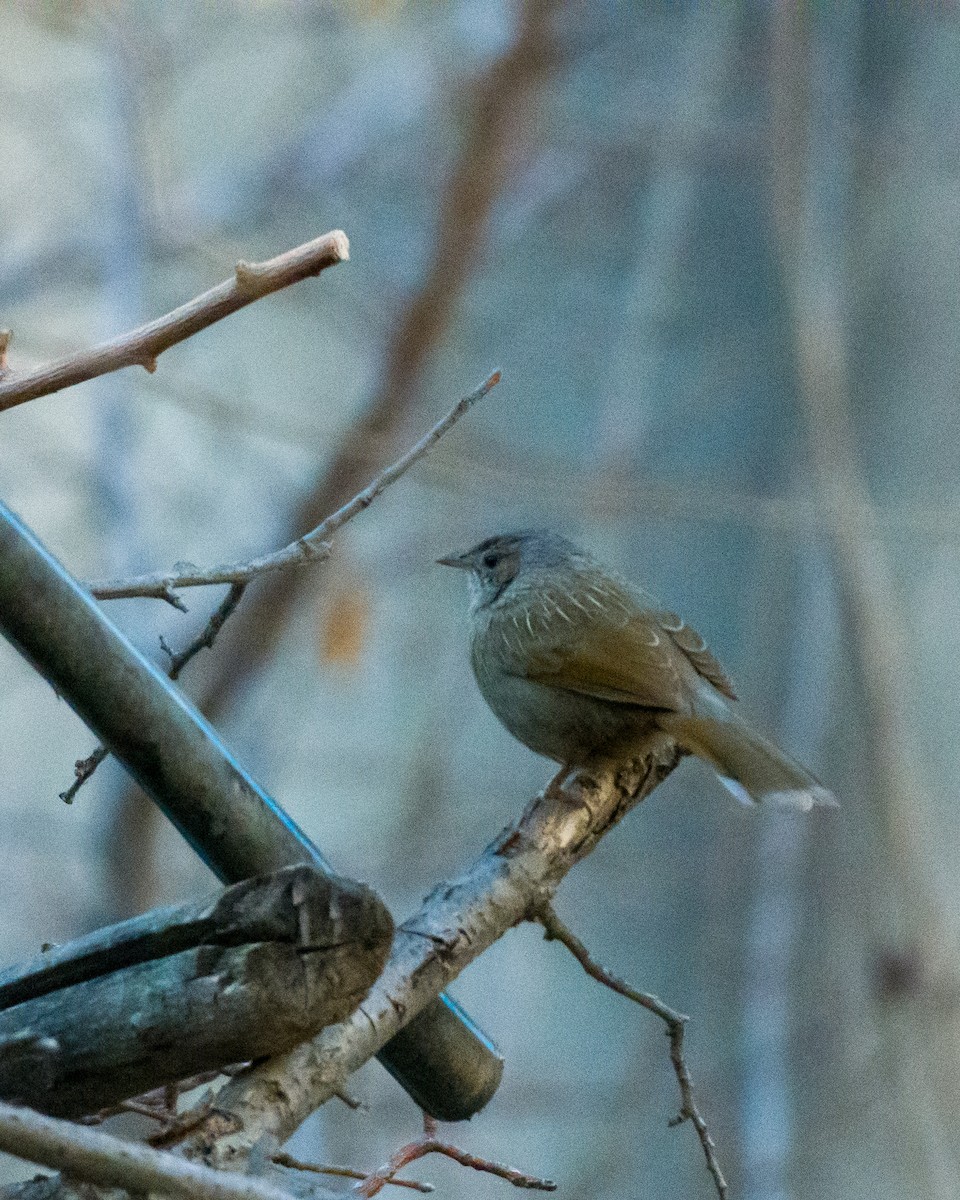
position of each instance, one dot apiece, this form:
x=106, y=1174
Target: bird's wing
x=597, y=640
x=696, y=650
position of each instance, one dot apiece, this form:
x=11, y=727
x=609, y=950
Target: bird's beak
x=461, y=561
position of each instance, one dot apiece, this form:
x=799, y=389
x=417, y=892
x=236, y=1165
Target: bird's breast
x=564, y=725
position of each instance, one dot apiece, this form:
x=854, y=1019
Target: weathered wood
x=189, y=989
x=255, y=910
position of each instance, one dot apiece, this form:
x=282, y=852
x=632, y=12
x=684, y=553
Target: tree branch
x=311, y=547
x=208, y=635
x=84, y=768
x=507, y=884
x=142, y=346
x=282, y=1159
x=96, y=1157
x=555, y=929
x=429, y=1143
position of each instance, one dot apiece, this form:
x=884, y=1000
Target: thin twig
x=159, y=1104
x=85, y=767
x=205, y=639
x=311, y=547
x=96, y=1157
x=142, y=346
x=174, y=1131
x=287, y=1160
x=124, y=1106
x=429, y=1143
x=556, y=930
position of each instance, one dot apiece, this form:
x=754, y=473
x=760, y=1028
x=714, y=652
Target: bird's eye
x=490, y=561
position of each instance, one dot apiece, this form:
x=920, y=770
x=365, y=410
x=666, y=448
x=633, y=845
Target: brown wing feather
x=697, y=651
x=595, y=640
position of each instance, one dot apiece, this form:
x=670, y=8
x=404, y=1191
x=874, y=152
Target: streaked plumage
x=578, y=663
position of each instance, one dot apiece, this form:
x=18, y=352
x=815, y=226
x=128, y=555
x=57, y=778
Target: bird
x=581, y=665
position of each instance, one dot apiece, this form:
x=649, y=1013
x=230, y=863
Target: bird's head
x=497, y=562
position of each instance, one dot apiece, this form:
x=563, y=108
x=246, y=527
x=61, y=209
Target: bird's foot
x=554, y=789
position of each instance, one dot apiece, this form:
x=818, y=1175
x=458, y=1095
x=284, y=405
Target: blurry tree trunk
x=496, y=141
x=880, y=1113
x=115, y=500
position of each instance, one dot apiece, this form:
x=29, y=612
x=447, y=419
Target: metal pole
x=442, y=1059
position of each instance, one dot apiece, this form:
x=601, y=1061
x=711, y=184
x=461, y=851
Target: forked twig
x=287, y=1160
x=556, y=930
x=85, y=767
x=159, y=1104
x=208, y=635
x=429, y=1143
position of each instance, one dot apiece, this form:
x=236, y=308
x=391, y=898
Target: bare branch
x=429, y=1143
x=208, y=635
x=311, y=547
x=96, y=1157
x=287, y=1160
x=84, y=768
x=159, y=1104
x=507, y=884
x=555, y=929
x=142, y=346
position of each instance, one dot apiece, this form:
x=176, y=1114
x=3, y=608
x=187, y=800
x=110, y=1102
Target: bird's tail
x=747, y=764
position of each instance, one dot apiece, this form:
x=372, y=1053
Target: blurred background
x=716, y=250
